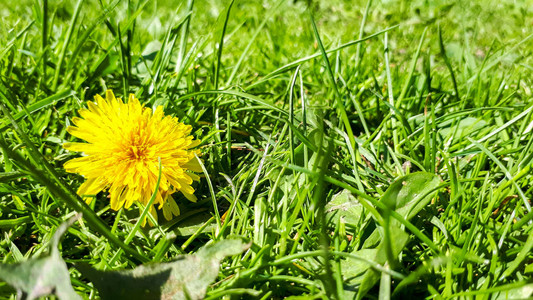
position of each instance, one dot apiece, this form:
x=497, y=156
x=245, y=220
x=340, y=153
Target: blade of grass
x=505, y=171
x=183, y=39
x=310, y=57
x=220, y=46
x=39, y=105
x=358, y=54
x=213, y=197
x=414, y=62
x=339, y=101
x=258, y=30
x=448, y=64
x=44, y=39
x=66, y=43
x=391, y=95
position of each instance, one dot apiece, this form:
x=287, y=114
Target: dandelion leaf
x=42, y=276
x=407, y=196
x=344, y=207
x=186, y=278
x=354, y=269
x=372, y=276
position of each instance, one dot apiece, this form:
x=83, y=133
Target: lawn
x=347, y=149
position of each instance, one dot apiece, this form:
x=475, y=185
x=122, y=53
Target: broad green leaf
x=10, y=176
x=463, y=128
x=149, y=54
x=42, y=276
x=398, y=242
x=353, y=269
x=523, y=292
x=38, y=106
x=186, y=278
x=373, y=240
x=407, y=196
x=344, y=206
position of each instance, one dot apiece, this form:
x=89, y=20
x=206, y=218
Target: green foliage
x=409, y=194
x=186, y=278
x=406, y=196
x=377, y=149
x=39, y=277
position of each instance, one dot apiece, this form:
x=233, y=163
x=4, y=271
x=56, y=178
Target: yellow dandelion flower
x=125, y=142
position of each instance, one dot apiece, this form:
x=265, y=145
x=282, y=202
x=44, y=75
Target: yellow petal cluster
x=125, y=142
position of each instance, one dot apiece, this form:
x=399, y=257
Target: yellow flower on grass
x=125, y=142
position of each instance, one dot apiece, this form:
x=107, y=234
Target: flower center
x=137, y=152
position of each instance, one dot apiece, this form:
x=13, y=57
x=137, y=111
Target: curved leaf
x=42, y=276
x=409, y=194
x=185, y=278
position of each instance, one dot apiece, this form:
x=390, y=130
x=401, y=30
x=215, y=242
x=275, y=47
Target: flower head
x=126, y=144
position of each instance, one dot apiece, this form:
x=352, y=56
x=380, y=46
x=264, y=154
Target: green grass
x=297, y=105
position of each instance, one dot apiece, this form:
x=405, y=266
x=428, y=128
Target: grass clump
x=377, y=149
